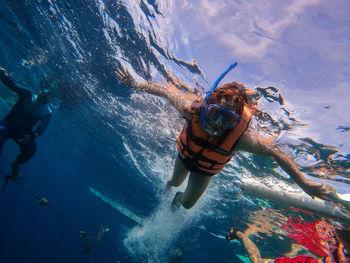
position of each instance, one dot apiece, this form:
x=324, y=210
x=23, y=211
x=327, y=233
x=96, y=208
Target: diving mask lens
x=212, y=112
x=44, y=93
x=230, y=118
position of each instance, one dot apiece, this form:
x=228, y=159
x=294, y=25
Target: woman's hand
x=125, y=77
x=179, y=99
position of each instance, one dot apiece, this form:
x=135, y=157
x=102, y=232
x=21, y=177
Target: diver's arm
x=168, y=92
x=251, y=249
x=5, y=78
x=42, y=126
x=180, y=101
x=251, y=143
x=27, y=138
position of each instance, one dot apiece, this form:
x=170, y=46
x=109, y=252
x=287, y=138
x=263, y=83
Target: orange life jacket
x=205, y=153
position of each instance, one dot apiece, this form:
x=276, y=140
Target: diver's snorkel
x=216, y=83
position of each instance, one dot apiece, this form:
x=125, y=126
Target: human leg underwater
x=2, y=141
x=27, y=151
x=178, y=176
x=197, y=184
x=3, y=135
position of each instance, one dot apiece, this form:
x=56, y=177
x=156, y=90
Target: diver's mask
x=216, y=119
x=222, y=119
x=43, y=96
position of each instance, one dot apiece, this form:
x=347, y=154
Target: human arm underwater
x=251, y=143
x=43, y=122
x=5, y=78
x=181, y=100
x=43, y=125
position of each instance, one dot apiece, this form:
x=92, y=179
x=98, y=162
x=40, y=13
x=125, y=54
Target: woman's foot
x=167, y=186
x=177, y=201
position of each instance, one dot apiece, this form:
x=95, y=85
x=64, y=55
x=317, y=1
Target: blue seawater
x=103, y=137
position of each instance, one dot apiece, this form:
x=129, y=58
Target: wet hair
x=233, y=92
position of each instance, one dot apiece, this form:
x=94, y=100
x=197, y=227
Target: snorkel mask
x=44, y=92
x=43, y=96
x=210, y=112
x=223, y=117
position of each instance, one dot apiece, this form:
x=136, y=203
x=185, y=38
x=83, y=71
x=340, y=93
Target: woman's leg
x=179, y=175
x=197, y=184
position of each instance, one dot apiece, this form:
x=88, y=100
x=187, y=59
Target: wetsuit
x=20, y=121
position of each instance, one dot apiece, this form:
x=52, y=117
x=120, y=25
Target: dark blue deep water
x=121, y=143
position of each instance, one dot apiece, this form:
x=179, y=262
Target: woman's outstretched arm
x=251, y=143
x=181, y=100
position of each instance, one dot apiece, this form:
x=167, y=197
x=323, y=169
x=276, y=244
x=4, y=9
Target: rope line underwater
x=87, y=242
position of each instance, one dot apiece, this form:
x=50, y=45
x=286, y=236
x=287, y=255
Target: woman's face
x=216, y=126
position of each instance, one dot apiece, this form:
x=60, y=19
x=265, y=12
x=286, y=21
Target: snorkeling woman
x=216, y=127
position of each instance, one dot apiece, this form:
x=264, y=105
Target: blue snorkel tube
x=216, y=83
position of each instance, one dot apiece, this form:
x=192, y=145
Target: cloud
x=232, y=24
x=322, y=110
x=304, y=45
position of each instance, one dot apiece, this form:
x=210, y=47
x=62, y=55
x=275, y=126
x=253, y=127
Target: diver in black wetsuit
x=18, y=125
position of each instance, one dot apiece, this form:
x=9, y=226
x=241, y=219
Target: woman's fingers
x=123, y=73
x=120, y=73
